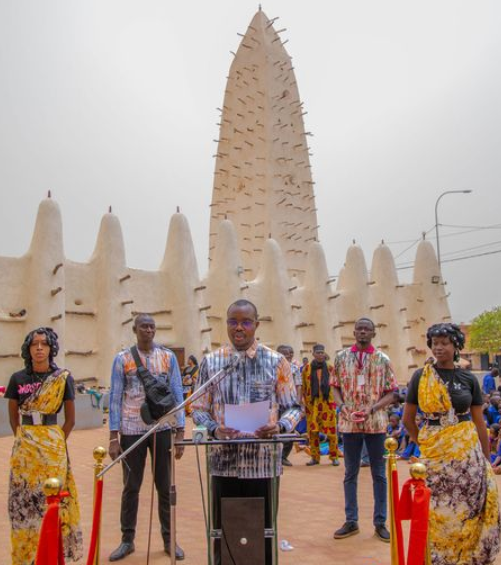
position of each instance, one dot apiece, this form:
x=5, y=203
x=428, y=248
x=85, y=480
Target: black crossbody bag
x=159, y=397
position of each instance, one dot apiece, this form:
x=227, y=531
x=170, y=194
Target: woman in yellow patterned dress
x=464, y=526
x=36, y=394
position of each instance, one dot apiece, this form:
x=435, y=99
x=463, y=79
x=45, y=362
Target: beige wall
x=93, y=310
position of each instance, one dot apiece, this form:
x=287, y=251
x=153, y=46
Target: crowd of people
x=344, y=407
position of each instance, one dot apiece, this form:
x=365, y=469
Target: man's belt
x=46, y=420
x=438, y=421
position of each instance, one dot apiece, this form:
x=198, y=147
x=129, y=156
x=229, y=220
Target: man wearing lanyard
x=364, y=385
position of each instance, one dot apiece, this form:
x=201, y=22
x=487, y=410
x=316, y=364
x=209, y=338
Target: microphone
x=234, y=362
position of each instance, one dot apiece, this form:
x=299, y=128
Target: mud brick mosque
x=263, y=245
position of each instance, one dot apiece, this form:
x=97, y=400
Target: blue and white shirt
x=127, y=391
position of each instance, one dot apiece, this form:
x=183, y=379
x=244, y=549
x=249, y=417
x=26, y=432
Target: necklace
x=40, y=377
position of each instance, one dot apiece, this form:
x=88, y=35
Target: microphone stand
x=168, y=418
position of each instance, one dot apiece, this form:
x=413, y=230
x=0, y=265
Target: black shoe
x=346, y=530
x=312, y=462
x=124, y=549
x=286, y=463
x=382, y=533
x=335, y=462
x=179, y=552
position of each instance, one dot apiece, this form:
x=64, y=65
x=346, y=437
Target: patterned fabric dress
x=39, y=452
x=320, y=416
x=464, y=509
x=189, y=378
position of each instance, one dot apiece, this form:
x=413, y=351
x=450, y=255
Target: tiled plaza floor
x=311, y=508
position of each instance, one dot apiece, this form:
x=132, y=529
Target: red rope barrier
x=414, y=505
x=96, y=522
x=50, y=542
x=398, y=522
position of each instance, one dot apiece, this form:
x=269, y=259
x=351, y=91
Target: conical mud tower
x=262, y=178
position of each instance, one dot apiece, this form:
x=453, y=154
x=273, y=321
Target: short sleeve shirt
x=463, y=387
x=23, y=384
x=488, y=384
x=363, y=381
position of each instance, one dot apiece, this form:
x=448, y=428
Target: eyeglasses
x=246, y=324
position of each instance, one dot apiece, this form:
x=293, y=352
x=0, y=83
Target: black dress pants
x=133, y=471
x=233, y=487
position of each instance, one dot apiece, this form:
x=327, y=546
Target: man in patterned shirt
x=320, y=408
x=126, y=427
x=364, y=385
x=288, y=352
x=262, y=374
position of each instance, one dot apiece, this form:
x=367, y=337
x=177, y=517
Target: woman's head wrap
x=51, y=337
x=452, y=331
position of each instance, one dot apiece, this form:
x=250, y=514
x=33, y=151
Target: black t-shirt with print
x=462, y=385
x=22, y=384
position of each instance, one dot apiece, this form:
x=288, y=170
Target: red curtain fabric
x=96, y=522
x=414, y=505
x=398, y=523
x=50, y=542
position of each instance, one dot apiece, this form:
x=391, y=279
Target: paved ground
x=311, y=508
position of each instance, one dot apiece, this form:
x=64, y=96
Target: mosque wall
x=91, y=305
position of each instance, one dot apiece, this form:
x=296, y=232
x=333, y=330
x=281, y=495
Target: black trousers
x=232, y=487
x=133, y=472
x=287, y=448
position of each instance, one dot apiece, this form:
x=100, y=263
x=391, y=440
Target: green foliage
x=485, y=332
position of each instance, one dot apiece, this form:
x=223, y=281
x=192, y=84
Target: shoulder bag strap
x=139, y=364
x=137, y=359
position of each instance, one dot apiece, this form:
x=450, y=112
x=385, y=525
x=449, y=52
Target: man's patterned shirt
x=261, y=375
x=127, y=391
x=363, y=377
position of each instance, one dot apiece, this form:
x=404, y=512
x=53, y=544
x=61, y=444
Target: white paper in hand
x=247, y=417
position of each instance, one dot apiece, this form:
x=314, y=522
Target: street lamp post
x=436, y=218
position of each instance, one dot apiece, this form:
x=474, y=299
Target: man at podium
x=258, y=375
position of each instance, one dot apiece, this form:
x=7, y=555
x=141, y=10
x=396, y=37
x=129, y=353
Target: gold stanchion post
x=391, y=444
x=99, y=454
x=418, y=473
x=52, y=487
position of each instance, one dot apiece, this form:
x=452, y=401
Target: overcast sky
x=114, y=102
